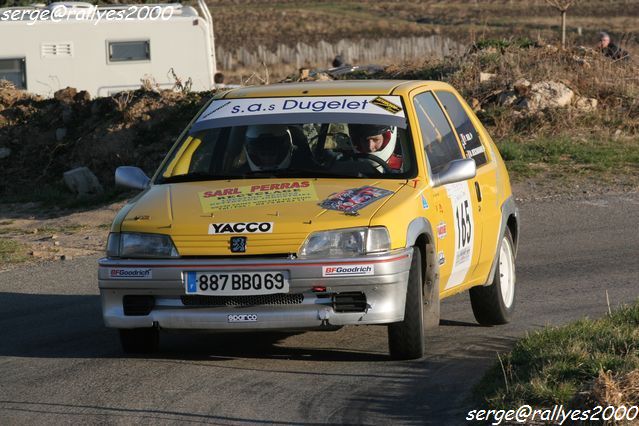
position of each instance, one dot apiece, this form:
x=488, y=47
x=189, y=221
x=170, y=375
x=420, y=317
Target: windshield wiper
x=198, y=176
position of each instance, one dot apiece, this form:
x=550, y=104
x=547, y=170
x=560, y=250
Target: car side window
x=465, y=129
x=440, y=144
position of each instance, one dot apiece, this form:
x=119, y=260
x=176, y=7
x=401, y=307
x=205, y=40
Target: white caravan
x=102, y=50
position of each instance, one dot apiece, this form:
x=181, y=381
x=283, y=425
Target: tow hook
x=323, y=315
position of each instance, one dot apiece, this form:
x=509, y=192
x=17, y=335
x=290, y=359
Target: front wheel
x=495, y=304
x=406, y=338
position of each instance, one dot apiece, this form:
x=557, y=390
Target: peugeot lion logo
x=238, y=244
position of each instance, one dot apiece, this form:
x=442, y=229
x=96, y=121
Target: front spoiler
x=385, y=292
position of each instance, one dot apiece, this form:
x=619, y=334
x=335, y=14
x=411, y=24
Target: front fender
x=417, y=227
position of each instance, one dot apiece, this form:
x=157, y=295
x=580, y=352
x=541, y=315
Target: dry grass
x=250, y=23
x=11, y=252
x=256, y=25
x=605, y=141
x=616, y=389
x=586, y=362
x=614, y=85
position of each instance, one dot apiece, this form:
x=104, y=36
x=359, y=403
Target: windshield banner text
x=344, y=109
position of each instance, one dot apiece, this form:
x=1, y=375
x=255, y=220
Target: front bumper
x=384, y=292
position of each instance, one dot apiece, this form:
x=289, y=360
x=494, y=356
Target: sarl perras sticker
x=352, y=200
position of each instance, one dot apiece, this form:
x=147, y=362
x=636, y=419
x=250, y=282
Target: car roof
x=340, y=87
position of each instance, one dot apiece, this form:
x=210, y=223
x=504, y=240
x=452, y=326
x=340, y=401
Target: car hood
x=201, y=217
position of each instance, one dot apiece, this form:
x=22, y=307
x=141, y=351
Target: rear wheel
x=406, y=338
x=495, y=304
x=139, y=340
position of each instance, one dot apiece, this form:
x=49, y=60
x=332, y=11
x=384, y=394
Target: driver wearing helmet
x=377, y=140
x=268, y=147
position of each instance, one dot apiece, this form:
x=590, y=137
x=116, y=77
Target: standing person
x=610, y=49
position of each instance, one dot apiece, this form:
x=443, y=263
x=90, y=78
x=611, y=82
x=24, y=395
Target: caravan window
x=120, y=51
x=14, y=70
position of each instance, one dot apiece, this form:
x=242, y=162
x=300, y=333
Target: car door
x=482, y=188
x=452, y=204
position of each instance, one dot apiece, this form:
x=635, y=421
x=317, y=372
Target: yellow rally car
x=313, y=206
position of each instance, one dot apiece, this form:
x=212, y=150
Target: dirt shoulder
x=562, y=185
x=53, y=235
x=37, y=234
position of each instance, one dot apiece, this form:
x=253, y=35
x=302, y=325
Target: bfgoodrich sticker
x=348, y=270
x=130, y=274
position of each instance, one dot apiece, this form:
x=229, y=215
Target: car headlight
x=133, y=244
x=346, y=242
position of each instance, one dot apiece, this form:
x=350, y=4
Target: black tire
x=139, y=340
x=406, y=338
x=488, y=303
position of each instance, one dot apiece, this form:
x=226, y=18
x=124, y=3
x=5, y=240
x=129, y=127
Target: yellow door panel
x=482, y=189
x=465, y=232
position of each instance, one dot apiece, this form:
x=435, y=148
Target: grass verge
x=11, y=251
x=586, y=362
x=523, y=157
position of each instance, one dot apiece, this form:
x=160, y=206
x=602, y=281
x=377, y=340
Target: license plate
x=236, y=283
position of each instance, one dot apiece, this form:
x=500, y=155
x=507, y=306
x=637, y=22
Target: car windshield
x=314, y=143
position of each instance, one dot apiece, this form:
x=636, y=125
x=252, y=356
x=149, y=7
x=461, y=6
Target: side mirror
x=131, y=177
x=456, y=171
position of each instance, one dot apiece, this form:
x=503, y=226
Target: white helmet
x=268, y=147
x=360, y=133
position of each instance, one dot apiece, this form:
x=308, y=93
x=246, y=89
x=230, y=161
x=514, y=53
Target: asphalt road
x=59, y=364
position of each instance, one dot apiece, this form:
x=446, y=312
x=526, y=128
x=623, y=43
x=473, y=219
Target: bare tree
x=562, y=6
